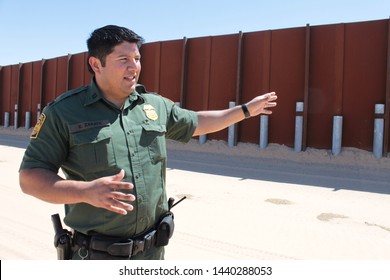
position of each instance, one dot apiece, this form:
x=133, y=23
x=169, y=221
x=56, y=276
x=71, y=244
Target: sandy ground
x=242, y=203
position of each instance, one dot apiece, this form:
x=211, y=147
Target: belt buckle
x=139, y=246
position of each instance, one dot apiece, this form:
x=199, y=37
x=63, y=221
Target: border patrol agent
x=109, y=140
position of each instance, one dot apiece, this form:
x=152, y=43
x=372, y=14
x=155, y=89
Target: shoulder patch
x=38, y=126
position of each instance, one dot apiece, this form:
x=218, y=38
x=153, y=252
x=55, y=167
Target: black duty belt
x=103, y=247
x=108, y=247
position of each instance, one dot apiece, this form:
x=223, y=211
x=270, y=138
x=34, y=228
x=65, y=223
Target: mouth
x=131, y=79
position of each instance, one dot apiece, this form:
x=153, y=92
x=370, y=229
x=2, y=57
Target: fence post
x=378, y=131
x=298, y=127
x=337, y=134
x=263, y=131
x=6, y=119
x=202, y=139
x=28, y=120
x=38, y=111
x=231, y=128
x=16, y=117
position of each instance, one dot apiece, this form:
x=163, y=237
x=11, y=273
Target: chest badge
x=150, y=112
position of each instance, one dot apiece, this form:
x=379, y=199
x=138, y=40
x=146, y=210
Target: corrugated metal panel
x=198, y=73
x=36, y=94
x=26, y=77
x=171, y=69
x=150, y=59
x=322, y=85
x=77, y=70
x=364, y=82
x=223, y=73
x=5, y=91
x=49, y=82
x=62, y=75
x=287, y=77
x=255, y=79
x=15, y=82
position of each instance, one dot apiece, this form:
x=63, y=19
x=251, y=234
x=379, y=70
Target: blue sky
x=32, y=30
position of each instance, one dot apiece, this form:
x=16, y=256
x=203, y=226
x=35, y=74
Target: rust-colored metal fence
x=335, y=70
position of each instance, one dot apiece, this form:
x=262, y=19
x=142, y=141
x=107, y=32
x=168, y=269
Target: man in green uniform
x=109, y=140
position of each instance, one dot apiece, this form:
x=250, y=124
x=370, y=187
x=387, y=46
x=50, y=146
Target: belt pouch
x=165, y=230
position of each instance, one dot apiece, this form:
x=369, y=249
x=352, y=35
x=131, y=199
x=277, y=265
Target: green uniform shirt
x=88, y=137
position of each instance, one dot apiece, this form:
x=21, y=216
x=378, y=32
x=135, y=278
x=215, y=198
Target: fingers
x=269, y=98
x=122, y=196
x=110, y=193
x=118, y=177
x=116, y=203
x=116, y=183
x=119, y=207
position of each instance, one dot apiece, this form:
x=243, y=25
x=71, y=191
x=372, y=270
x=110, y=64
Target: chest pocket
x=93, y=149
x=153, y=137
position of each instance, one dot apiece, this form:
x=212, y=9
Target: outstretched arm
x=212, y=121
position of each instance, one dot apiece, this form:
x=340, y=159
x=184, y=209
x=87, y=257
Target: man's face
x=118, y=78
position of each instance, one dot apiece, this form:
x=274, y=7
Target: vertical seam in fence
x=67, y=71
x=238, y=80
x=387, y=103
x=183, y=79
x=31, y=87
x=18, y=96
x=206, y=101
x=339, y=69
x=56, y=79
x=43, y=80
x=306, y=87
x=158, y=67
x=269, y=61
x=41, y=87
x=266, y=64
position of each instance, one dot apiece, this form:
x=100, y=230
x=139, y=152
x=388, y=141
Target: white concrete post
x=379, y=124
x=263, y=131
x=337, y=134
x=298, y=127
x=231, y=129
x=6, y=119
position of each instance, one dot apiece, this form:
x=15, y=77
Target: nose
x=133, y=64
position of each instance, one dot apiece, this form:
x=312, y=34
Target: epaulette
x=69, y=93
x=142, y=90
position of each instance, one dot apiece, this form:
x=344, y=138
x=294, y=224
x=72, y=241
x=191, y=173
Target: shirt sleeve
x=48, y=145
x=181, y=123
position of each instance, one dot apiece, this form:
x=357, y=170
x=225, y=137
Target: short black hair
x=103, y=40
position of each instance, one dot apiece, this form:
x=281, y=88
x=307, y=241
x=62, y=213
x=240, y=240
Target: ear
x=95, y=64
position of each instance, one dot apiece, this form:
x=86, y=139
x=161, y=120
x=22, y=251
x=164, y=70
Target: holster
x=62, y=239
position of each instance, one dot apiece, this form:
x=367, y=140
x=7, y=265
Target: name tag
x=86, y=125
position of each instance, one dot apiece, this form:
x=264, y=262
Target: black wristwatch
x=246, y=111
